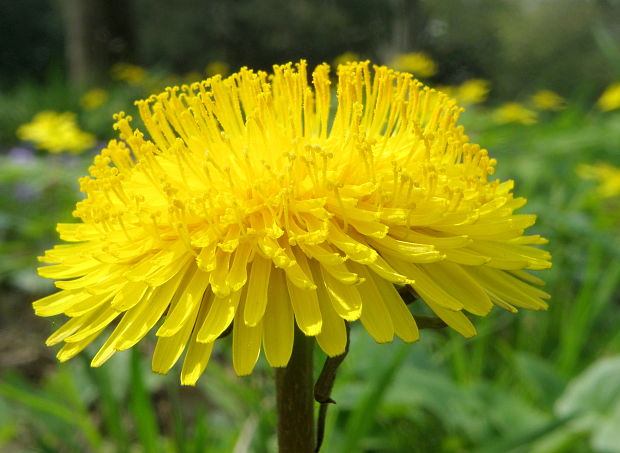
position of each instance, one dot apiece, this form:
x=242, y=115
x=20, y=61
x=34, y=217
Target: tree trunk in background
x=97, y=33
x=408, y=24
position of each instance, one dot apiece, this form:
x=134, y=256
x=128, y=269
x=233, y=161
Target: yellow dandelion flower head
x=514, y=112
x=607, y=176
x=473, y=91
x=610, y=99
x=93, y=99
x=257, y=202
x=345, y=58
x=217, y=68
x=56, y=132
x=418, y=63
x=548, y=100
x=130, y=73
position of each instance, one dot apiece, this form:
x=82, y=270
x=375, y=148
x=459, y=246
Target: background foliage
x=534, y=382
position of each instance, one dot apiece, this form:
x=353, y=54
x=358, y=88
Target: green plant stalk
x=361, y=420
x=295, y=400
x=141, y=407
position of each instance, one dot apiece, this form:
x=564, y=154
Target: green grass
x=517, y=387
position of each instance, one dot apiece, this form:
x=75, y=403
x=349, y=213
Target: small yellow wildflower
x=56, y=132
x=93, y=99
x=514, y=112
x=607, y=176
x=610, y=99
x=548, y=100
x=130, y=73
x=259, y=202
x=344, y=58
x=217, y=68
x=473, y=91
x=417, y=63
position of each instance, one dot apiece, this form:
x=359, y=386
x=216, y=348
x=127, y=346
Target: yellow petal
x=70, y=350
x=67, y=329
x=305, y=305
x=246, y=343
x=333, y=336
x=323, y=254
x=509, y=288
x=455, y=319
x=168, y=349
x=96, y=323
x=466, y=257
x=278, y=322
x=345, y=299
x=59, y=302
x=425, y=286
x=88, y=305
x=257, y=290
x=455, y=281
x=375, y=316
x=217, y=278
x=237, y=276
x=129, y=295
x=198, y=354
x=404, y=324
x=186, y=305
x=221, y=313
x=90, y=279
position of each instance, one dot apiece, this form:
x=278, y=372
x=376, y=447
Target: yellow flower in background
x=217, y=68
x=514, y=112
x=610, y=99
x=607, y=176
x=129, y=73
x=344, y=58
x=417, y=63
x=56, y=132
x=258, y=202
x=93, y=99
x=473, y=91
x=548, y=100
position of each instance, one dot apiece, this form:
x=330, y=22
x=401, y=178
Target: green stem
x=295, y=401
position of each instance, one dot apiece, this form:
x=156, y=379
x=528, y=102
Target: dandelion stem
x=295, y=403
x=323, y=390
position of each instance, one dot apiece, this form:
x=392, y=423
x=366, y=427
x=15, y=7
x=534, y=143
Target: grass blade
x=141, y=407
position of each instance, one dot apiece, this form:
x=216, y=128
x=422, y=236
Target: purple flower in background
x=21, y=155
x=25, y=192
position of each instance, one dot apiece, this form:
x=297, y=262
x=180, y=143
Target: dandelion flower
x=610, y=99
x=607, y=176
x=548, y=100
x=514, y=112
x=93, y=99
x=257, y=202
x=130, y=73
x=418, y=63
x=56, y=132
x=473, y=91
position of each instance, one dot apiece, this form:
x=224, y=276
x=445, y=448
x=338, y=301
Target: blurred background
x=540, y=81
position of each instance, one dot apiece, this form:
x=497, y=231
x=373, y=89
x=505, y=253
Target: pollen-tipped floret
x=259, y=202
